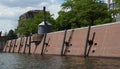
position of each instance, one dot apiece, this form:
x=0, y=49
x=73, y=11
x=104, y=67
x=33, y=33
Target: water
x=22, y=61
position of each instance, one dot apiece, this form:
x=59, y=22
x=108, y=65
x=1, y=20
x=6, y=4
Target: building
x=112, y=5
x=29, y=14
x=23, y=19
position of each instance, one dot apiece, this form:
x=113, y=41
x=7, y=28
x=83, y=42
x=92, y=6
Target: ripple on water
x=24, y=61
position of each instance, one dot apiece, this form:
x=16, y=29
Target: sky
x=10, y=10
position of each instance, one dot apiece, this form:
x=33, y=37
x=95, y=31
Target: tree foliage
x=117, y=4
x=11, y=35
x=79, y=13
x=74, y=14
x=30, y=25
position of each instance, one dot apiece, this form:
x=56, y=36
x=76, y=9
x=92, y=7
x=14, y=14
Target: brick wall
x=106, y=42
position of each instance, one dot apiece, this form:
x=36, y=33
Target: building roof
x=42, y=23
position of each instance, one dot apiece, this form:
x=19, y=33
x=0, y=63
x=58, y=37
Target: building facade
x=29, y=14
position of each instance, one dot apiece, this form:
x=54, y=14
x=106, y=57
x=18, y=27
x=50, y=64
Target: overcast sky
x=10, y=10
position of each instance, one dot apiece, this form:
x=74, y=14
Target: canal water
x=24, y=61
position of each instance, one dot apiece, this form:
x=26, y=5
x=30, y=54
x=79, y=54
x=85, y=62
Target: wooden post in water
x=63, y=43
x=10, y=46
x=43, y=44
x=14, y=45
x=68, y=43
x=30, y=44
x=20, y=45
x=6, y=46
x=45, y=34
x=87, y=40
x=25, y=45
x=90, y=44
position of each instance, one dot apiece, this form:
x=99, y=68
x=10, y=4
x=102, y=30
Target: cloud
x=19, y=3
x=105, y=1
x=54, y=9
x=10, y=10
x=26, y=3
x=6, y=25
x=9, y=17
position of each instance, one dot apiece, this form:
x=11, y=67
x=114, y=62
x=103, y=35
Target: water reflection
x=22, y=61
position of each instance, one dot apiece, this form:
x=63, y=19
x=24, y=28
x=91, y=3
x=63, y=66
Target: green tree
x=11, y=35
x=117, y=2
x=117, y=6
x=79, y=13
x=30, y=25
